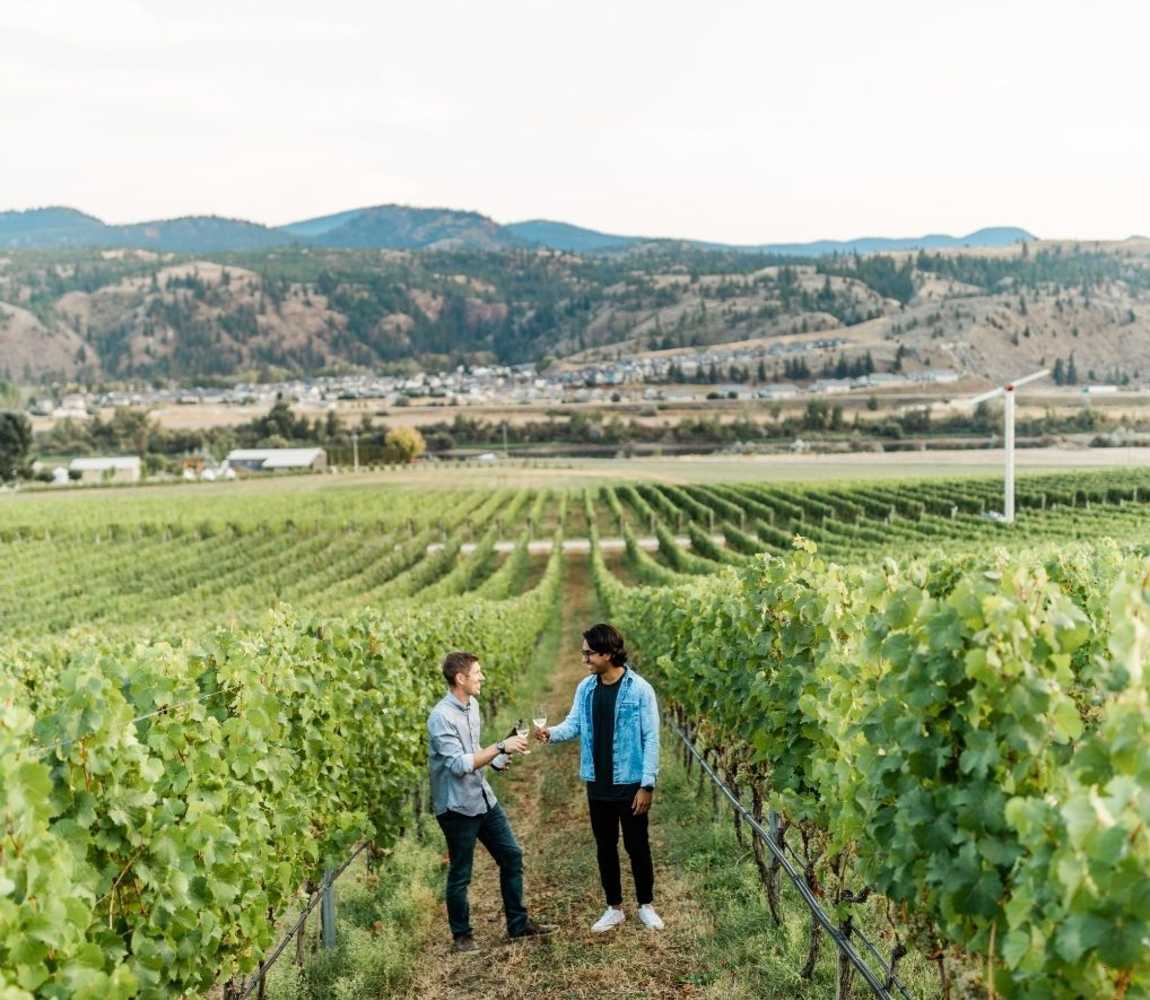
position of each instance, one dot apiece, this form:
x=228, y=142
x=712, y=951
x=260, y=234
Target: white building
x=831, y=386
x=277, y=459
x=122, y=469
x=880, y=379
x=72, y=407
x=778, y=390
x=937, y=375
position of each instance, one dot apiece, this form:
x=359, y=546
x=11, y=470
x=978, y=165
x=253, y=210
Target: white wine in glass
x=539, y=719
x=521, y=730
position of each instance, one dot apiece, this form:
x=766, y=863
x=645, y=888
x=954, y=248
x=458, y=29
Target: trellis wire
x=320, y=894
x=796, y=877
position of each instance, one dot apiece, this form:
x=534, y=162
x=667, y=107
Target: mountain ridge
x=405, y=227
x=565, y=236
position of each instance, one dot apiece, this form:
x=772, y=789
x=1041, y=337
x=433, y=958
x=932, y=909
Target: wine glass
x=539, y=718
x=521, y=729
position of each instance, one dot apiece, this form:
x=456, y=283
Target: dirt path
x=547, y=806
x=543, y=546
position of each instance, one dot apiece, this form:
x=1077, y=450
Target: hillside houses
x=517, y=384
x=697, y=366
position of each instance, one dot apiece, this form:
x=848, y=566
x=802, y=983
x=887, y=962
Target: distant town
x=213, y=432
x=733, y=374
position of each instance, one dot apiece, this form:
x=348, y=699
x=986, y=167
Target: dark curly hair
x=603, y=638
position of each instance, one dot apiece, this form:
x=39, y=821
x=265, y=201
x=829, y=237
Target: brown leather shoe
x=465, y=945
x=532, y=929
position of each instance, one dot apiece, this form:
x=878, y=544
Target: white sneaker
x=612, y=917
x=651, y=920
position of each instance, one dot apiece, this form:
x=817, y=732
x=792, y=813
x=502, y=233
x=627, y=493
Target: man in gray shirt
x=465, y=805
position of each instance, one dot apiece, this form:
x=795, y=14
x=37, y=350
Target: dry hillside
x=91, y=316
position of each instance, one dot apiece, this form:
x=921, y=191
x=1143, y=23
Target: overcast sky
x=733, y=121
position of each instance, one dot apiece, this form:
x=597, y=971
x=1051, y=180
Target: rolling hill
x=573, y=239
x=403, y=227
x=564, y=236
x=49, y=228
x=399, y=227
x=55, y=228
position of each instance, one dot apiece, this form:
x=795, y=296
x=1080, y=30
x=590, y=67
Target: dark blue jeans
x=493, y=831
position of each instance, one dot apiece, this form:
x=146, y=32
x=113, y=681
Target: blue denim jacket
x=636, y=747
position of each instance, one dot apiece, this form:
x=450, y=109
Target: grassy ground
x=379, y=916
x=746, y=956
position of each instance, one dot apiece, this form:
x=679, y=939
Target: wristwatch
x=501, y=746
x=648, y=788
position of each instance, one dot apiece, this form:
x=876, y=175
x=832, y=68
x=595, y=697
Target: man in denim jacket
x=616, y=717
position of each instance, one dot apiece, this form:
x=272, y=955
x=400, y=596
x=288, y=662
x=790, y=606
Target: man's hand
x=642, y=802
x=543, y=735
x=515, y=744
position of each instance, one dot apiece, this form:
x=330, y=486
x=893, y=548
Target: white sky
x=727, y=120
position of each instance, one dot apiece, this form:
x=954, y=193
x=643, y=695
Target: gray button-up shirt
x=453, y=739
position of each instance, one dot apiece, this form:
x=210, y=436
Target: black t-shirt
x=603, y=743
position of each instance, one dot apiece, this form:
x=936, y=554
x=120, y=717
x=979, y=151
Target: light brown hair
x=457, y=662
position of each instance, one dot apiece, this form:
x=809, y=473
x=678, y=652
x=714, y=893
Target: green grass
x=746, y=956
x=380, y=918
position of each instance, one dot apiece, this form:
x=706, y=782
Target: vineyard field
x=206, y=700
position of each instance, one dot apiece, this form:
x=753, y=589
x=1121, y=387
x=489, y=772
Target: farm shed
x=277, y=459
x=122, y=469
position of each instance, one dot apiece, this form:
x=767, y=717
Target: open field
x=212, y=693
x=576, y=472
x=773, y=468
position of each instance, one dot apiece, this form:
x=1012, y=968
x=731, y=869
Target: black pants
x=606, y=819
x=493, y=831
